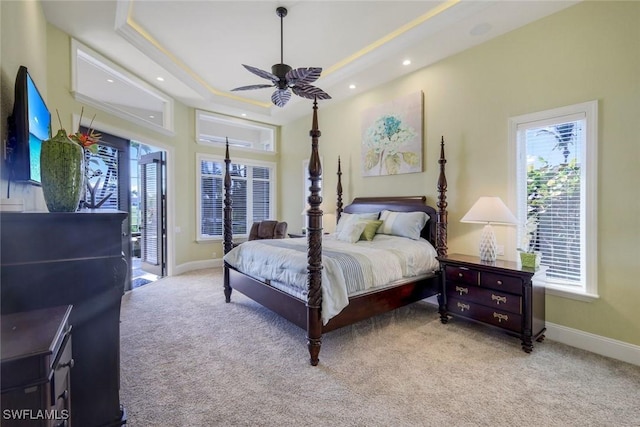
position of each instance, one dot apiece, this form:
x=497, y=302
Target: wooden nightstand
x=501, y=294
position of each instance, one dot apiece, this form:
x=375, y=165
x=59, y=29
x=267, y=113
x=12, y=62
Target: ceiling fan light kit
x=286, y=79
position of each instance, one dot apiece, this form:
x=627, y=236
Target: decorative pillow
x=403, y=224
x=351, y=231
x=347, y=217
x=370, y=229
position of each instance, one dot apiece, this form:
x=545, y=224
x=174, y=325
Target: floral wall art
x=392, y=137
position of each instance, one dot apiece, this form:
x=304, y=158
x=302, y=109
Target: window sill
x=566, y=293
x=562, y=291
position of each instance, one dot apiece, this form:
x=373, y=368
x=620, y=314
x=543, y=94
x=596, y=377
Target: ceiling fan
x=287, y=79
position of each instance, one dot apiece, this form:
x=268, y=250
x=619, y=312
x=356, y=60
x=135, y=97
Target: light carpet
x=190, y=359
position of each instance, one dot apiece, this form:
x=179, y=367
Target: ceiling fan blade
x=310, y=92
x=303, y=75
x=280, y=97
x=251, y=87
x=261, y=73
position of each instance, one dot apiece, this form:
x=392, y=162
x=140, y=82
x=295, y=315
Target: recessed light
x=160, y=79
x=352, y=86
x=244, y=114
x=406, y=62
x=110, y=80
x=152, y=117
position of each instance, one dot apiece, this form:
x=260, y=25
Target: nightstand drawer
x=462, y=275
x=500, y=318
x=501, y=282
x=488, y=297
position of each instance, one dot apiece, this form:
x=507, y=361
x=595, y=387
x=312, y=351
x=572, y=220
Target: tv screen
x=29, y=125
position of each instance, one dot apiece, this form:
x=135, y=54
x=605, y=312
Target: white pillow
x=403, y=224
x=345, y=218
x=351, y=231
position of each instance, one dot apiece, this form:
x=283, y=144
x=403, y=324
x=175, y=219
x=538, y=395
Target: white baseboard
x=598, y=344
x=197, y=265
x=603, y=346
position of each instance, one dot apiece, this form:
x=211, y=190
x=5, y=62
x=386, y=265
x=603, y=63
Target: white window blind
x=556, y=193
x=251, y=196
x=553, y=195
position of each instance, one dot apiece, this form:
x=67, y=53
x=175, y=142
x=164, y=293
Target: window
x=101, y=83
x=556, y=194
x=252, y=195
x=215, y=129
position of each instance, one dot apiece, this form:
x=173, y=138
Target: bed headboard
x=398, y=204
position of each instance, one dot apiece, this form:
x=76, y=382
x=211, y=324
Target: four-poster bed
x=305, y=308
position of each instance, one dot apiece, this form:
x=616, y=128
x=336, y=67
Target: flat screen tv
x=28, y=126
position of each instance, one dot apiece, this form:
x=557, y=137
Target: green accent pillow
x=370, y=229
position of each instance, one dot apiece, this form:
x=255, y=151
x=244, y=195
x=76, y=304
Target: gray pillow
x=403, y=224
x=345, y=218
x=351, y=231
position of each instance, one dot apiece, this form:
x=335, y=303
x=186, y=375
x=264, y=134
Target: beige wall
x=24, y=42
x=28, y=40
x=589, y=51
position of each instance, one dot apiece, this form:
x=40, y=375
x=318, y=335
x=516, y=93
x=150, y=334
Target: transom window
x=97, y=81
x=216, y=129
x=252, y=195
x=556, y=193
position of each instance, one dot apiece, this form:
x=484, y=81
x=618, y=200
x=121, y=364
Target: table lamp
x=489, y=210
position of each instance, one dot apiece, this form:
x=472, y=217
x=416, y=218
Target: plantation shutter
x=554, y=194
x=250, y=197
x=261, y=193
x=239, y=192
x=102, y=174
x=210, y=198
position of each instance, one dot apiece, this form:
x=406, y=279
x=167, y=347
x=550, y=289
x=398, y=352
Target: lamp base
x=488, y=244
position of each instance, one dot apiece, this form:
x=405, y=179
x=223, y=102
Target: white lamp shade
x=489, y=210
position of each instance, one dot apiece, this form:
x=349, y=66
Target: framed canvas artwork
x=392, y=137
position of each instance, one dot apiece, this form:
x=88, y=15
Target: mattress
x=348, y=268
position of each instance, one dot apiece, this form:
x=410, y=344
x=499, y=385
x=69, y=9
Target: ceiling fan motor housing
x=280, y=71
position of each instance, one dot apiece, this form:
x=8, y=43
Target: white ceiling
x=198, y=47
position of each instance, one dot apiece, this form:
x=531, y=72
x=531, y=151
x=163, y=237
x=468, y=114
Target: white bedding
x=348, y=268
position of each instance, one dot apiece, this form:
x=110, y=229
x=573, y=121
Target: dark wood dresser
x=75, y=258
x=36, y=368
x=499, y=293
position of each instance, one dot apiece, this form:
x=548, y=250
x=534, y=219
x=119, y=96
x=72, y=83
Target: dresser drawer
x=500, y=318
x=488, y=297
x=60, y=396
x=501, y=283
x=461, y=275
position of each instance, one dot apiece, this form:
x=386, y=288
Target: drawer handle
x=69, y=364
x=460, y=274
x=462, y=290
x=64, y=395
x=500, y=317
x=464, y=307
x=498, y=299
x=499, y=282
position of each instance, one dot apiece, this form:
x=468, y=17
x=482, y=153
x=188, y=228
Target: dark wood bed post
x=339, y=193
x=228, y=230
x=441, y=222
x=314, y=254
